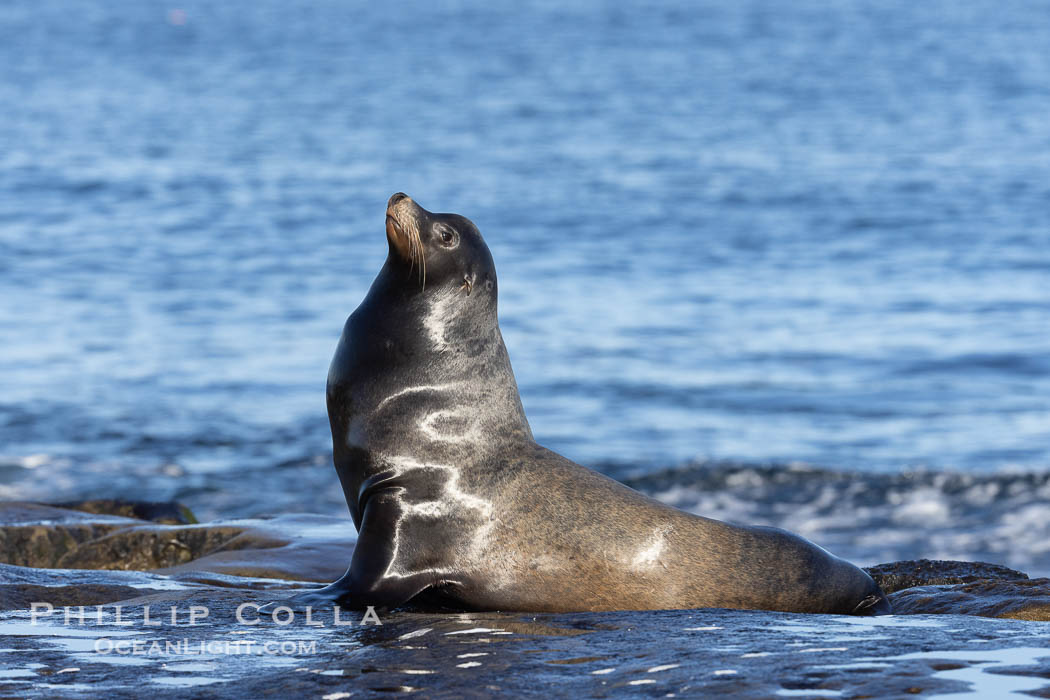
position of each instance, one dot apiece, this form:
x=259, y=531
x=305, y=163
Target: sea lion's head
x=438, y=253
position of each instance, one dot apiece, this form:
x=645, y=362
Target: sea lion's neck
x=423, y=374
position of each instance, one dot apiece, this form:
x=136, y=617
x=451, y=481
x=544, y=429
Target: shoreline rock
x=110, y=651
x=169, y=513
x=292, y=547
x=937, y=572
x=99, y=535
x=733, y=653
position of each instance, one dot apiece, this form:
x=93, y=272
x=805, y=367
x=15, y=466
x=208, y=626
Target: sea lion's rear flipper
x=874, y=604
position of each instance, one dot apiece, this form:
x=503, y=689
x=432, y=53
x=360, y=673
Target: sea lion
x=456, y=504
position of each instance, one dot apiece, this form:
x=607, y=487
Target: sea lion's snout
x=399, y=209
x=402, y=227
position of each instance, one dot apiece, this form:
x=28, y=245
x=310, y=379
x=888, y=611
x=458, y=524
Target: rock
x=37, y=535
x=169, y=513
x=290, y=547
x=221, y=566
x=22, y=596
x=1016, y=599
x=697, y=653
x=22, y=586
x=315, y=548
x=928, y=572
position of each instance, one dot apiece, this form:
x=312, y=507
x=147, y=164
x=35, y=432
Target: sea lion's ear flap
x=468, y=282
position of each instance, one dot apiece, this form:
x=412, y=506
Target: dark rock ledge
x=944, y=638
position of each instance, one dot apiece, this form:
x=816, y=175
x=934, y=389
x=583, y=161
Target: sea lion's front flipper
x=381, y=573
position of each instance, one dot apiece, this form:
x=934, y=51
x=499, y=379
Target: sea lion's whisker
x=417, y=245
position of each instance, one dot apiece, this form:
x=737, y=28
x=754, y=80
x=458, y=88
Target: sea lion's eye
x=448, y=236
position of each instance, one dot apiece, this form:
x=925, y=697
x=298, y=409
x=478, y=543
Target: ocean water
x=773, y=262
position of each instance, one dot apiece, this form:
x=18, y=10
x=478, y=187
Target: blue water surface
x=751, y=232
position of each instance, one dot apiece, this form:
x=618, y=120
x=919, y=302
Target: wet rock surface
x=930, y=572
x=1019, y=600
x=651, y=654
x=293, y=547
x=134, y=644
x=169, y=513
